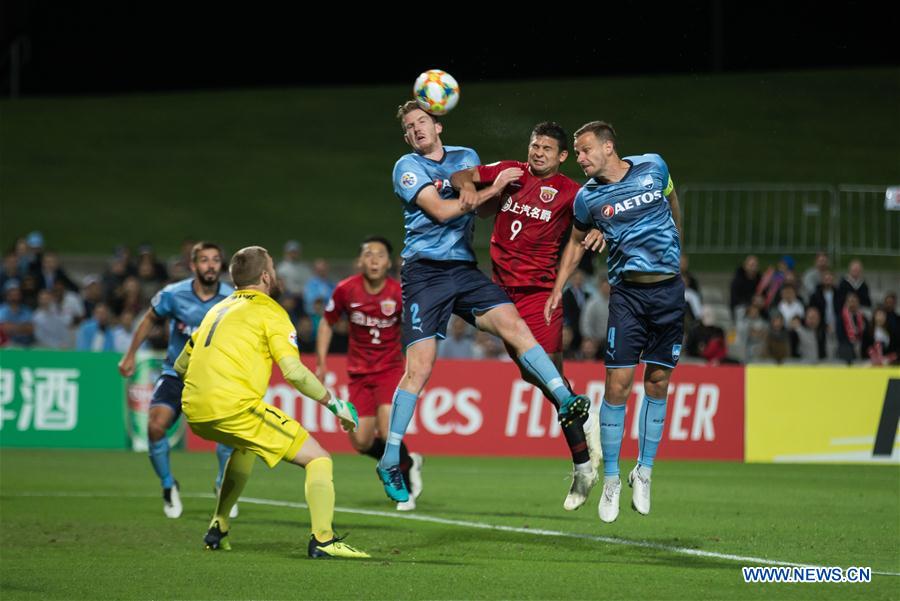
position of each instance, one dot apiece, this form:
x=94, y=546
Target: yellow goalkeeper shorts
x=262, y=429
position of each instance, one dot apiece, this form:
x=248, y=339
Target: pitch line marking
x=746, y=560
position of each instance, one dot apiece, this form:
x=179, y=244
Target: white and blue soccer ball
x=436, y=91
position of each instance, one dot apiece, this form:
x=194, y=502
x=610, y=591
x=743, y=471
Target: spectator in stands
x=790, y=306
x=69, y=303
x=855, y=283
x=91, y=293
x=119, y=269
x=812, y=277
x=890, y=308
x=751, y=335
x=51, y=271
x=458, y=344
x=689, y=279
x=51, y=328
x=146, y=255
x=293, y=270
x=148, y=277
x=34, y=253
x=15, y=317
x=778, y=340
x=30, y=288
x=318, y=287
x=743, y=285
x=760, y=303
x=825, y=300
x=851, y=326
x=24, y=258
x=811, y=337
x=179, y=266
x=693, y=305
x=706, y=340
x=773, y=279
x=879, y=344
x=306, y=341
x=574, y=299
x=10, y=270
x=96, y=333
x=130, y=297
x=123, y=332
x=293, y=305
x=595, y=315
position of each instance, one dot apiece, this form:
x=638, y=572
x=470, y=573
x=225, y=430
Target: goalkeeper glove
x=346, y=412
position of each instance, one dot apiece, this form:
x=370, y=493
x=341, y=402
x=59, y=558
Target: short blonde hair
x=247, y=266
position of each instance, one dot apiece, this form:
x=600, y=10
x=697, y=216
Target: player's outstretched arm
x=126, y=364
x=570, y=258
x=323, y=343
x=303, y=380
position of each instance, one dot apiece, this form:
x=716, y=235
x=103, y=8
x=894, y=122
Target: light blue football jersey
x=635, y=218
x=426, y=238
x=185, y=311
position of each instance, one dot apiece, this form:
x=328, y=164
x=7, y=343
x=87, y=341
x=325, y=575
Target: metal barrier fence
x=789, y=218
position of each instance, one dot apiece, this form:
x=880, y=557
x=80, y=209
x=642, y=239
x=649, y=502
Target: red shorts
x=530, y=304
x=367, y=391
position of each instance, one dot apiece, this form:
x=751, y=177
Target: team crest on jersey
x=548, y=193
x=293, y=338
x=647, y=182
x=388, y=306
x=608, y=211
x=408, y=179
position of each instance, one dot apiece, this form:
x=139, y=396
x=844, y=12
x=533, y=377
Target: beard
x=275, y=290
x=208, y=279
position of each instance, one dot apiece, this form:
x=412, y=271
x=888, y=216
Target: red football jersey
x=374, y=324
x=530, y=226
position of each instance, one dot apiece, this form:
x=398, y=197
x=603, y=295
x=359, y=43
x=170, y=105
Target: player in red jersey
x=372, y=301
x=533, y=219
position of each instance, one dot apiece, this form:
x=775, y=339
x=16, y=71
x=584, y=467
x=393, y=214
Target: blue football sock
x=650, y=429
x=612, y=426
x=222, y=454
x=402, y=408
x=539, y=365
x=159, y=457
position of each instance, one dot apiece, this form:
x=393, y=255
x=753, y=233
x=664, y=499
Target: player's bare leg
x=612, y=427
x=159, y=420
x=420, y=358
x=504, y=321
x=651, y=423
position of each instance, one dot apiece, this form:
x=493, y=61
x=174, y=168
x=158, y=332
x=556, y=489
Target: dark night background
x=90, y=48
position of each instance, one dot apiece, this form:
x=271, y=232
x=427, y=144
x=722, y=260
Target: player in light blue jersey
x=439, y=277
x=632, y=201
x=184, y=304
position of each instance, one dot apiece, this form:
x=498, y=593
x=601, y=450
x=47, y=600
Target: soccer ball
x=436, y=92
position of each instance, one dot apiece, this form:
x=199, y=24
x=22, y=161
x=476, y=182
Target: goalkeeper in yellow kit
x=226, y=367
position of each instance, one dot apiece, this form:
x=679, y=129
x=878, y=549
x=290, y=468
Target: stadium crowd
x=776, y=314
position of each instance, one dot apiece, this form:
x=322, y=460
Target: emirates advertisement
x=485, y=408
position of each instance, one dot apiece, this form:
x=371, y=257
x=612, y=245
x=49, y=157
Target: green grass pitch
x=89, y=525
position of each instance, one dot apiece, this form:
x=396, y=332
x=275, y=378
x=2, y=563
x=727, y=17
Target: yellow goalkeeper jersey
x=231, y=355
